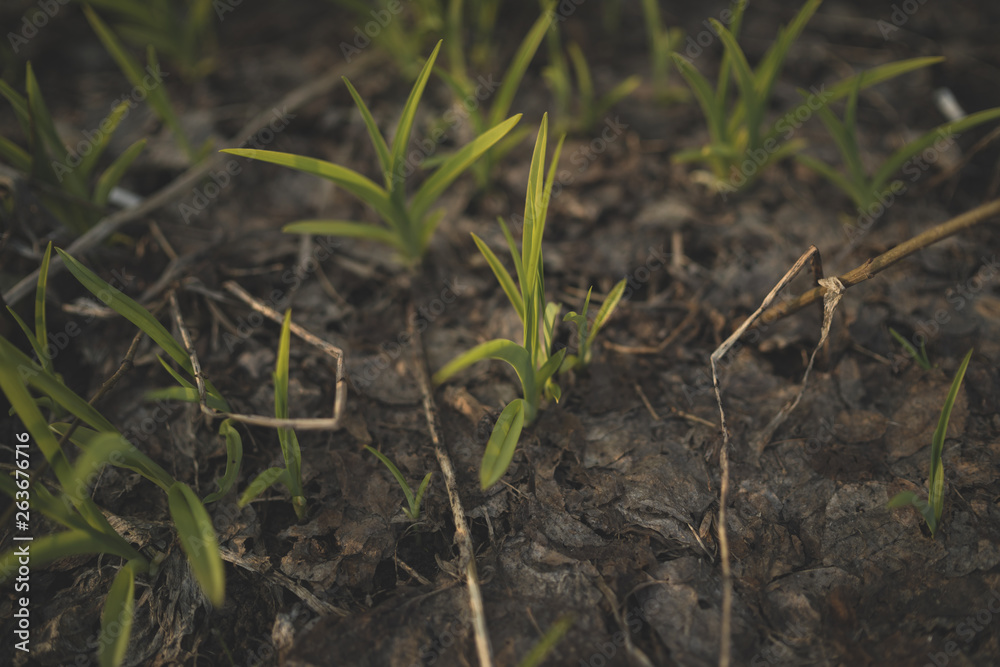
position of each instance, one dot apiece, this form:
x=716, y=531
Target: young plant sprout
x=291, y=474
x=413, y=501
x=932, y=508
x=535, y=361
x=409, y=223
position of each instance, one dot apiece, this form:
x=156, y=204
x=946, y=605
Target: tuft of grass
x=30, y=386
x=534, y=360
x=864, y=188
x=579, y=113
x=139, y=76
x=64, y=178
x=463, y=89
x=291, y=474
x=182, y=31
x=413, y=501
x=585, y=331
x=663, y=41
x=736, y=127
x=409, y=223
x=932, y=508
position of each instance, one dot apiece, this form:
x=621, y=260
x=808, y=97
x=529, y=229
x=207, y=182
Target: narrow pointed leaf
x=197, y=535
x=502, y=444
x=116, y=619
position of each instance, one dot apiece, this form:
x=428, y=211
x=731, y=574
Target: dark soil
x=609, y=510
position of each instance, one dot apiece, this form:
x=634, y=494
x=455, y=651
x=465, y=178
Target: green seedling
x=63, y=177
x=587, y=332
x=148, y=79
x=291, y=474
x=932, y=508
x=183, y=32
x=481, y=120
x=919, y=356
x=662, y=42
x=866, y=189
x=536, y=656
x=409, y=224
x=413, y=512
x=403, y=34
x=533, y=360
x=740, y=144
x=87, y=531
x=588, y=109
x=483, y=30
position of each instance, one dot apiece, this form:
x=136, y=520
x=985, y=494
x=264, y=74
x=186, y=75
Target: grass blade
x=944, y=131
x=936, y=495
x=503, y=277
x=453, y=167
x=378, y=141
x=116, y=619
x=347, y=229
x=234, y=459
x=361, y=187
x=261, y=483
x=502, y=444
x=401, y=140
x=499, y=349
x=115, y=171
x=194, y=528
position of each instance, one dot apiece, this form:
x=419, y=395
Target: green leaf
x=401, y=140
x=89, y=161
x=710, y=106
x=261, y=483
x=115, y=171
x=50, y=548
x=41, y=330
x=116, y=619
x=194, y=527
x=607, y=309
x=361, y=187
x=414, y=502
x=752, y=103
x=22, y=370
x=518, y=66
x=502, y=444
x=234, y=459
x=503, y=277
x=536, y=656
x=127, y=308
x=455, y=165
x=944, y=131
x=156, y=95
x=920, y=357
x=378, y=141
x=499, y=349
x=355, y=230
x=100, y=449
x=936, y=482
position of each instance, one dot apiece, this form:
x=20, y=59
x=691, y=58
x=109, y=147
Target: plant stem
x=874, y=266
